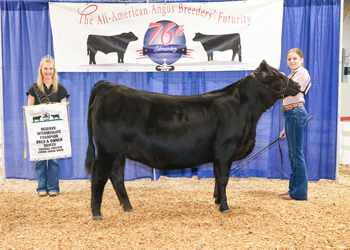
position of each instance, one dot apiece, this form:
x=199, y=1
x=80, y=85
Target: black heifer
x=174, y=132
x=213, y=43
x=36, y=118
x=108, y=44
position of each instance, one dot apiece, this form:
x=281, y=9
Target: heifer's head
x=276, y=81
x=131, y=36
x=198, y=37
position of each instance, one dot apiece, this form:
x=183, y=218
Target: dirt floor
x=177, y=213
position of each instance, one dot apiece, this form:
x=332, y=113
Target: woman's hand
x=283, y=134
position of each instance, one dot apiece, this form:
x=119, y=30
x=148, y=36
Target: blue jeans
x=295, y=122
x=48, y=175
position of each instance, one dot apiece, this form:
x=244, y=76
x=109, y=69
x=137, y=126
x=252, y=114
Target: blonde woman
x=46, y=90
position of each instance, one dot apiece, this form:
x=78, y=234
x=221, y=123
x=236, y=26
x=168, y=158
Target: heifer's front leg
x=121, y=57
x=234, y=52
x=222, y=172
x=117, y=179
x=238, y=53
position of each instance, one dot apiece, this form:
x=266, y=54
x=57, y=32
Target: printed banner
x=146, y=37
x=48, y=131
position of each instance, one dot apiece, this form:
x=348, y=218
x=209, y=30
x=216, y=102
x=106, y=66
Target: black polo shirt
x=53, y=97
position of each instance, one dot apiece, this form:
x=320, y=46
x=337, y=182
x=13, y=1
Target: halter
x=282, y=92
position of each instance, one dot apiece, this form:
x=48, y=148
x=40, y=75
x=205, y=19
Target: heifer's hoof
x=97, y=218
x=226, y=211
x=128, y=209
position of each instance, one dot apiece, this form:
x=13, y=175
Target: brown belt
x=290, y=106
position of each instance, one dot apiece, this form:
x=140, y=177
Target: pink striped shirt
x=301, y=76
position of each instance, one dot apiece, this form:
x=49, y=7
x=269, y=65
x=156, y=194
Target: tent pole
x=2, y=149
x=339, y=132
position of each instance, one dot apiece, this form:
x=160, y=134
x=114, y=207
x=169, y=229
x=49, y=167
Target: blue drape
x=313, y=26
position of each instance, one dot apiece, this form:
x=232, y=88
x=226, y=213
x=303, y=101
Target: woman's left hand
x=283, y=134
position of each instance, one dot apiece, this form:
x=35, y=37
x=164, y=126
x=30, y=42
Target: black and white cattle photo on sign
x=48, y=131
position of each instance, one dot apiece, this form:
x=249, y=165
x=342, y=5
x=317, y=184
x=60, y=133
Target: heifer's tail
x=90, y=152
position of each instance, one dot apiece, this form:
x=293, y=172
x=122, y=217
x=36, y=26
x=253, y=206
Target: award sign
x=48, y=131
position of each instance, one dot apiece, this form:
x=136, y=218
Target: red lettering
x=179, y=31
x=189, y=10
x=166, y=31
x=159, y=27
x=86, y=12
x=180, y=8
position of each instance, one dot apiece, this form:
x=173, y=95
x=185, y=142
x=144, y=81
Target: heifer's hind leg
x=92, y=58
x=210, y=56
x=99, y=177
x=117, y=179
x=216, y=188
x=239, y=53
x=222, y=172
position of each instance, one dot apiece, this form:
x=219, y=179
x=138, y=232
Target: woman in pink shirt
x=295, y=116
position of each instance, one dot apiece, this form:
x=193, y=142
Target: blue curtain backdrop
x=313, y=26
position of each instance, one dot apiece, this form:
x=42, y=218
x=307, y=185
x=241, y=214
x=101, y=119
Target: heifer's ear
x=263, y=65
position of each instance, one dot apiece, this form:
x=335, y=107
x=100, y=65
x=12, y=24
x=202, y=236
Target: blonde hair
x=296, y=51
x=40, y=83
